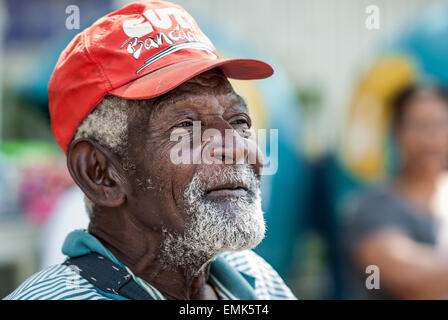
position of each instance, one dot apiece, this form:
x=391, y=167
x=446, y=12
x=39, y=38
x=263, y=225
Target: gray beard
x=211, y=229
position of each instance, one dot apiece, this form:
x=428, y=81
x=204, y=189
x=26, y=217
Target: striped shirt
x=60, y=282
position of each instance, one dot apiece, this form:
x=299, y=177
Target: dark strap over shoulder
x=107, y=276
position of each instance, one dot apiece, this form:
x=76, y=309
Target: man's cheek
x=182, y=149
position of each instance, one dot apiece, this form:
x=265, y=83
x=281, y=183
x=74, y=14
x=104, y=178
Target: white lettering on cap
x=135, y=27
x=159, y=18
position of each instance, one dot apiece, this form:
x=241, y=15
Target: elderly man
x=159, y=228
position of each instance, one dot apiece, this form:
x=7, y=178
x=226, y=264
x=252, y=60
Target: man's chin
x=241, y=224
x=229, y=210
x=244, y=236
x=220, y=243
x=203, y=243
x=231, y=204
x=248, y=245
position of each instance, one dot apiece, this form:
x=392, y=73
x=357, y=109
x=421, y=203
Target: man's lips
x=227, y=190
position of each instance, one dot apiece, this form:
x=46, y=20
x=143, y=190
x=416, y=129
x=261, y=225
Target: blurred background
x=337, y=65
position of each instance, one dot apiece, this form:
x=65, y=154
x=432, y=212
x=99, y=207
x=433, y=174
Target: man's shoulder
x=57, y=282
x=268, y=284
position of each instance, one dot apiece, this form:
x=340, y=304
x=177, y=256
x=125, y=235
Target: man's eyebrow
x=161, y=102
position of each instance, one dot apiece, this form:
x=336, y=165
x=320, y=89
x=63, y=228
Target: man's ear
x=94, y=170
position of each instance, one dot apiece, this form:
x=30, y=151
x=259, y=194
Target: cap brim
x=167, y=78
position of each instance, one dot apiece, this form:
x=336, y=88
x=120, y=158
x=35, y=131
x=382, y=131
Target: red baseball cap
x=140, y=51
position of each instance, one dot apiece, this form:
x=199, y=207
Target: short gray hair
x=107, y=124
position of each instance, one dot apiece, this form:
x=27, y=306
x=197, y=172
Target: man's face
x=200, y=209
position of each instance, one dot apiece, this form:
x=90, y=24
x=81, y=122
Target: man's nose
x=230, y=147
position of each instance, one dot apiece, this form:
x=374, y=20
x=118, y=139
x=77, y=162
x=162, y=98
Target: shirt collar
x=228, y=282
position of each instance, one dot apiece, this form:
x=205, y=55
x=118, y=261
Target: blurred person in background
x=395, y=227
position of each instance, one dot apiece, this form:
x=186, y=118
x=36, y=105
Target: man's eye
x=186, y=123
x=240, y=121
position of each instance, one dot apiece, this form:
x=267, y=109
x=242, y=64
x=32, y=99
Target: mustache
x=240, y=175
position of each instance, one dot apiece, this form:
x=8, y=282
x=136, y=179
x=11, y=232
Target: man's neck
x=139, y=250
